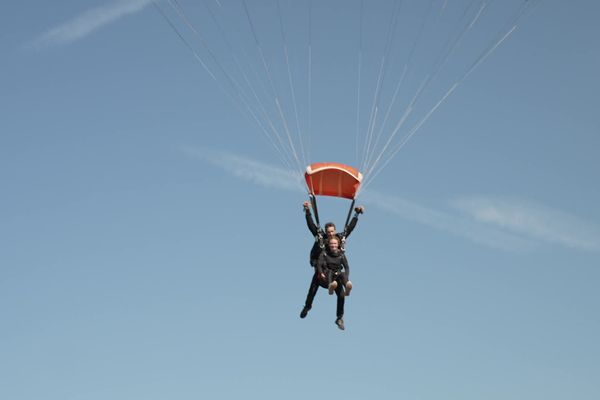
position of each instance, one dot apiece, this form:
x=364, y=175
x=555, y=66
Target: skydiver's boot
x=332, y=286
x=304, y=312
x=340, y=323
x=348, y=288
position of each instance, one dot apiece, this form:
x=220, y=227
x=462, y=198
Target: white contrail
x=248, y=169
x=445, y=221
x=89, y=21
x=497, y=222
x=533, y=220
x=271, y=176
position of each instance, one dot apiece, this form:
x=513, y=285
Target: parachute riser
x=343, y=244
x=320, y=239
x=313, y=202
x=348, y=217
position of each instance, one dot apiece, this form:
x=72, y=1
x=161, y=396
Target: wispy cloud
x=446, y=221
x=248, y=169
x=501, y=223
x=89, y=21
x=532, y=220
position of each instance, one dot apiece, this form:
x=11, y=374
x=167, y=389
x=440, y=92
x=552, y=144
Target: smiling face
x=330, y=230
x=334, y=244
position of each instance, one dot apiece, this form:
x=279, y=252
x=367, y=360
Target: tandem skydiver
x=330, y=231
x=331, y=266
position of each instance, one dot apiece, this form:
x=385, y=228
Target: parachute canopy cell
x=333, y=179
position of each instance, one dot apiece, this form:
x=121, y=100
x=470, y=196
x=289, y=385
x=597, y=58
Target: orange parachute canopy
x=332, y=179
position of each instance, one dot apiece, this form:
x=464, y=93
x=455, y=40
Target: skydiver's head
x=333, y=244
x=330, y=229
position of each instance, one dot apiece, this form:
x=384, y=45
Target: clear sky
x=154, y=245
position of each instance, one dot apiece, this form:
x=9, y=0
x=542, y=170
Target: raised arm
x=312, y=227
x=354, y=220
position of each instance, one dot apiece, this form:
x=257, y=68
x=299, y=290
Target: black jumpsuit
x=335, y=267
x=324, y=259
x=312, y=227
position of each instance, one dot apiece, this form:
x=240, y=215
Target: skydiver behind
x=330, y=231
x=335, y=256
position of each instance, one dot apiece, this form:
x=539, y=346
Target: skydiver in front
x=333, y=272
x=319, y=247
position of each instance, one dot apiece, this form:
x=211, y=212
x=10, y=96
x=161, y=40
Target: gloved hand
x=360, y=209
x=306, y=206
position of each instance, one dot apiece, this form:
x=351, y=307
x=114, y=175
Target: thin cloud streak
x=500, y=223
x=445, y=221
x=278, y=178
x=532, y=220
x=89, y=21
x=248, y=169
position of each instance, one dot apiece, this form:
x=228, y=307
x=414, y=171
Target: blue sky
x=154, y=244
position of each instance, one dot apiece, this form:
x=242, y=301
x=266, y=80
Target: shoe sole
x=348, y=288
x=332, y=286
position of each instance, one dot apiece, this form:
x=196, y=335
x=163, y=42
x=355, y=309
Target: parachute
x=332, y=179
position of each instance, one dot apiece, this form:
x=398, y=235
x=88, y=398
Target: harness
x=319, y=237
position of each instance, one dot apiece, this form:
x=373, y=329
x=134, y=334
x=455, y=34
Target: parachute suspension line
x=450, y=46
x=313, y=201
x=240, y=100
x=369, y=130
x=292, y=148
x=239, y=67
x=483, y=6
x=189, y=47
x=443, y=8
x=282, y=116
x=390, y=37
x=500, y=38
x=345, y=233
x=380, y=79
x=291, y=82
x=309, y=77
x=408, y=110
x=417, y=40
x=360, y=49
x=387, y=114
x=408, y=136
x=273, y=93
x=238, y=63
x=232, y=82
x=490, y=51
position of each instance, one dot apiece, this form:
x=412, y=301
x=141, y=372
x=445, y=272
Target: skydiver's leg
x=339, y=321
x=340, y=301
x=345, y=283
x=331, y=282
x=312, y=291
x=342, y=278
